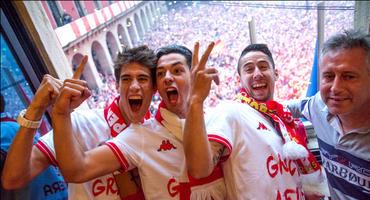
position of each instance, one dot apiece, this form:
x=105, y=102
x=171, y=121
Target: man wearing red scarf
x=154, y=147
x=263, y=154
x=91, y=127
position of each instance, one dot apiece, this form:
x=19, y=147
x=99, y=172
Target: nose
x=168, y=78
x=257, y=73
x=337, y=85
x=135, y=86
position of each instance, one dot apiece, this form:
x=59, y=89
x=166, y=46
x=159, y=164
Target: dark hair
x=175, y=48
x=257, y=47
x=349, y=39
x=2, y=103
x=141, y=54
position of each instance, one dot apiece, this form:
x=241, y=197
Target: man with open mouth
x=91, y=128
x=262, y=154
x=154, y=146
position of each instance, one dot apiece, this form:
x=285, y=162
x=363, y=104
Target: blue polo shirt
x=346, y=156
x=49, y=185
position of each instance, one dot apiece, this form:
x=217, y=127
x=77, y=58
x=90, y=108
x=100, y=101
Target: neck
x=355, y=120
x=123, y=114
x=181, y=113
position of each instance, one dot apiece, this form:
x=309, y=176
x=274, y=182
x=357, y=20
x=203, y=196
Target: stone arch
x=87, y=74
x=149, y=15
x=153, y=10
x=112, y=45
x=131, y=31
x=100, y=58
x=138, y=26
x=122, y=37
x=144, y=20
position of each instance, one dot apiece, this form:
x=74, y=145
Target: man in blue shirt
x=340, y=114
x=49, y=185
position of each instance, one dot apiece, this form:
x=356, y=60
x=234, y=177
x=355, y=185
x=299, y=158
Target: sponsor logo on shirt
x=261, y=126
x=277, y=168
x=347, y=173
x=53, y=188
x=166, y=146
x=104, y=186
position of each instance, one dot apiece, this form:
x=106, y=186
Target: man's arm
x=199, y=152
x=75, y=164
x=24, y=161
x=299, y=108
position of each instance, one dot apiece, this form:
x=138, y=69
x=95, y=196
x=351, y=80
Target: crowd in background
x=290, y=34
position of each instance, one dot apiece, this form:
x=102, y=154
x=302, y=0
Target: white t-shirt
x=160, y=159
x=254, y=168
x=91, y=130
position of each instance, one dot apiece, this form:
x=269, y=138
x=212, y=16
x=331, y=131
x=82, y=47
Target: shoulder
x=88, y=114
x=8, y=132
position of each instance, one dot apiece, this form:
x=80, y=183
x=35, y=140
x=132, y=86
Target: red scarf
x=117, y=124
x=115, y=120
x=290, y=128
x=158, y=115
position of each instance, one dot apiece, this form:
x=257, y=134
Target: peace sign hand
x=201, y=76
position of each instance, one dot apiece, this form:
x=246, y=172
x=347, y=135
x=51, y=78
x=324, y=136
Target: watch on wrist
x=27, y=123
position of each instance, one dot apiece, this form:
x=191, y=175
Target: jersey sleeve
x=220, y=126
x=305, y=106
x=46, y=146
x=89, y=129
x=127, y=148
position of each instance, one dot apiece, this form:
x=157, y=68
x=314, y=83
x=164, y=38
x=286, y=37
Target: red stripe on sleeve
x=220, y=140
x=121, y=158
x=224, y=142
x=46, y=151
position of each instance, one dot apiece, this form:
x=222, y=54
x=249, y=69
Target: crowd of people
x=290, y=34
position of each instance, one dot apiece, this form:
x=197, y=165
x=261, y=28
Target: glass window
x=97, y=4
x=15, y=89
x=80, y=9
x=56, y=13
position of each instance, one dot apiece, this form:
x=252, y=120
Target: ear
x=117, y=87
x=154, y=89
x=276, y=73
x=237, y=78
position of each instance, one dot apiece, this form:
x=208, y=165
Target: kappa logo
x=166, y=146
x=261, y=126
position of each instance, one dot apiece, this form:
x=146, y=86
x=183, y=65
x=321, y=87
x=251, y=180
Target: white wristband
x=27, y=123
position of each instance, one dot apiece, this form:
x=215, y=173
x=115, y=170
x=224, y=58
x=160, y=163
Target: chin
x=337, y=111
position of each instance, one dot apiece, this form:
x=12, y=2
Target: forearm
x=196, y=145
x=69, y=154
x=294, y=107
x=24, y=161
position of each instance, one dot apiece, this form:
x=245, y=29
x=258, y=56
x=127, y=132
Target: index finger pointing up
x=80, y=68
x=203, y=60
x=195, y=55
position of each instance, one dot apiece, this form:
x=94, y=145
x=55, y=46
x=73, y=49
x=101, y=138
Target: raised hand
x=45, y=96
x=201, y=76
x=73, y=92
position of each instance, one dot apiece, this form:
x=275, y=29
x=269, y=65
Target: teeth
x=259, y=85
x=171, y=89
x=135, y=97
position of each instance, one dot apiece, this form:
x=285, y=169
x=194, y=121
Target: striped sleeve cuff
x=117, y=152
x=222, y=141
x=47, y=152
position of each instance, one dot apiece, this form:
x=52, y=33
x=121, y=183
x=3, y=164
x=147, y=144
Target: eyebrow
x=173, y=64
x=261, y=61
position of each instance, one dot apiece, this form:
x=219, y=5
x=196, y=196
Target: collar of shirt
x=334, y=121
